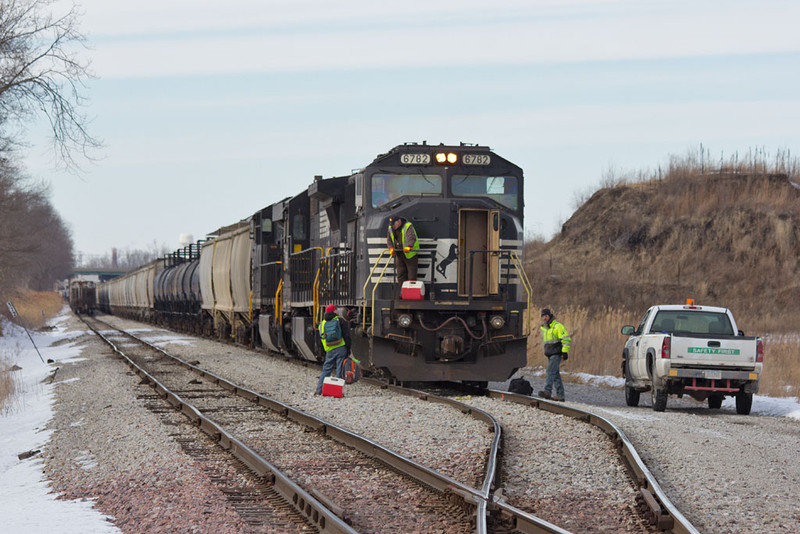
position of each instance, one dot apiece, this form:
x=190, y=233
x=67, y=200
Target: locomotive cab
x=472, y=324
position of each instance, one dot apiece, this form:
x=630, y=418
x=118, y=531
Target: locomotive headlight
x=404, y=321
x=497, y=322
x=449, y=157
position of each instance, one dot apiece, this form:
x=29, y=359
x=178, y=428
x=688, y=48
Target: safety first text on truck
x=692, y=350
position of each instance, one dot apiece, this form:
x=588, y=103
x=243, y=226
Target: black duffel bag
x=520, y=386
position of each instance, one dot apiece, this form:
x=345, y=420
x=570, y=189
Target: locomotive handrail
x=523, y=276
x=317, y=312
x=507, y=254
x=266, y=288
x=279, y=305
x=526, y=329
x=336, y=277
x=314, y=296
x=364, y=290
x=374, y=289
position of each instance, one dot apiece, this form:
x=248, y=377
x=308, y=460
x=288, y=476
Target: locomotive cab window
x=299, y=227
x=502, y=189
x=389, y=187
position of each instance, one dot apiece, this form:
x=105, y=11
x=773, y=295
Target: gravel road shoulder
x=727, y=473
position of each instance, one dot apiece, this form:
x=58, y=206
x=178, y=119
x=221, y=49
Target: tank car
x=176, y=290
x=82, y=297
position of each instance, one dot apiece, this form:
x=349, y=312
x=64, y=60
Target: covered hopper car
x=266, y=279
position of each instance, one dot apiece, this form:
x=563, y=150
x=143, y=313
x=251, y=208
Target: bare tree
x=35, y=244
x=127, y=259
x=41, y=72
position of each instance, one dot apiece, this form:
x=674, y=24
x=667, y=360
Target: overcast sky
x=210, y=111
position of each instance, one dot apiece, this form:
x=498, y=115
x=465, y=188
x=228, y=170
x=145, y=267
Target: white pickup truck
x=691, y=350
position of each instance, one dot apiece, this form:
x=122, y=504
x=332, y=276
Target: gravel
x=726, y=473
x=748, y=462
x=563, y=470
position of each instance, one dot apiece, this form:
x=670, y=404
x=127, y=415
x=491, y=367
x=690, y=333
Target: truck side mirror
x=741, y=333
x=628, y=330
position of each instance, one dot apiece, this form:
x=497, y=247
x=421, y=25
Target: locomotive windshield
x=501, y=189
x=388, y=187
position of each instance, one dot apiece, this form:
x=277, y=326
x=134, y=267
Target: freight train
x=266, y=280
x=82, y=297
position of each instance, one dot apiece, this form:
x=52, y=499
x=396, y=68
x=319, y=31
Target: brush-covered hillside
x=728, y=237
x=725, y=239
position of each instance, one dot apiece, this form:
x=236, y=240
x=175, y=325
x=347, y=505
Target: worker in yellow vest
x=334, y=336
x=556, y=342
x=403, y=245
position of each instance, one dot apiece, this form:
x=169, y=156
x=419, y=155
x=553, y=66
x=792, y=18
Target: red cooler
x=332, y=387
x=413, y=290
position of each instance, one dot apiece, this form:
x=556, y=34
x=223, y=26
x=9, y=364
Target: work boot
x=544, y=394
x=558, y=399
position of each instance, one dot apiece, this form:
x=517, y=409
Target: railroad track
x=506, y=513
x=358, y=485
x=601, y=506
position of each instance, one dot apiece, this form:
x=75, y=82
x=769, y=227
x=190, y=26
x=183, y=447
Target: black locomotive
x=267, y=279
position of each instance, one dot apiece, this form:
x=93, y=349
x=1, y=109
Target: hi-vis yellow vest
x=554, y=333
x=414, y=249
x=322, y=336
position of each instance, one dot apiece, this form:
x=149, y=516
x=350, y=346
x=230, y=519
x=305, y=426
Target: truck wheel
x=744, y=401
x=715, y=401
x=631, y=396
x=659, y=398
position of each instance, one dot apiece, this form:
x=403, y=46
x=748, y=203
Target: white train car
x=225, y=282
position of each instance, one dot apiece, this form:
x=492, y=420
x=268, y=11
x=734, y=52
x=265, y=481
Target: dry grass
x=781, y=375
x=9, y=383
x=34, y=309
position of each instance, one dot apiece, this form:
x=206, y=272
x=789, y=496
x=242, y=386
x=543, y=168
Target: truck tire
x=744, y=401
x=659, y=398
x=631, y=396
x=715, y=402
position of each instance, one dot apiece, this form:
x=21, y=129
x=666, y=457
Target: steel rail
x=315, y=512
x=476, y=499
x=653, y=501
x=488, y=484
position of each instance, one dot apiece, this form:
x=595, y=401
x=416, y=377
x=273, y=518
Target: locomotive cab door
x=478, y=261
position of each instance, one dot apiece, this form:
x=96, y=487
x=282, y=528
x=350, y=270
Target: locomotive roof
x=423, y=153
x=412, y=146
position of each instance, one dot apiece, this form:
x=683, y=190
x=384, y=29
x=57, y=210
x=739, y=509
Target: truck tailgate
x=714, y=351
